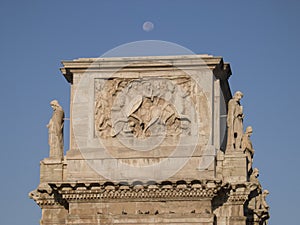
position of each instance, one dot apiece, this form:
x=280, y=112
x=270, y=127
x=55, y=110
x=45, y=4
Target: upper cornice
x=220, y=69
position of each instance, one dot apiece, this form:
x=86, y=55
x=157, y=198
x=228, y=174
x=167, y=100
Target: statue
x=235, y=122
x=247, y=147
x=262, y=207
x=55, y=131
x=263, y=204
x=258, y=201
x=254, y=176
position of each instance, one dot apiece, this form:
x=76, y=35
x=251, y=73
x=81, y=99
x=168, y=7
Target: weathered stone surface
x=148, y=141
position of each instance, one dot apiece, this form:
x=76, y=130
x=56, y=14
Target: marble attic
x=153, y=140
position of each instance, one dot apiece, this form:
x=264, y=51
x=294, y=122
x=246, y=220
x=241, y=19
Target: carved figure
x=247, y=147
x=263, y=203
x=149, y=113
x=235, y=122
x=254, y=176
x=55, y=130
x=103, y=105
x=262, y=208
x=102, y=111
x=122, y=124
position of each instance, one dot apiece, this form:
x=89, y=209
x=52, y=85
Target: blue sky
x=259, y=38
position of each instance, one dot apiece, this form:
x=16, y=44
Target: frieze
x=144, y=107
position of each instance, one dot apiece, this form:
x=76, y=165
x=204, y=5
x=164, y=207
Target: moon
x=148, y=26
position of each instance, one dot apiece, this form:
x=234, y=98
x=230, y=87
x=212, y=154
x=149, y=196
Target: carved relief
x=105, y=92
x=142, y=107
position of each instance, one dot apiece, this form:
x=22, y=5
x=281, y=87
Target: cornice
x=81, y=191
x=44, y=198
x=62, y=193
x=146, y=63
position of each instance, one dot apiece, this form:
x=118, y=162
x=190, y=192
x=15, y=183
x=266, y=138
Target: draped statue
x=55, y=131
x=247, y=147
x=235, y=122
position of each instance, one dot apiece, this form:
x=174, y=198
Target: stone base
x=235, y=167
x=54, y=215
x=51, y=170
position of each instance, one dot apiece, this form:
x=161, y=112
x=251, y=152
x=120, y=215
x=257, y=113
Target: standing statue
x=247, y=147
x=263, y=203
x=235, y=122
x=55, y=131
x=265, y=207
x=262, y=208
x=254, y=176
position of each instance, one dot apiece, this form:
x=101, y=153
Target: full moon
x=148, y=26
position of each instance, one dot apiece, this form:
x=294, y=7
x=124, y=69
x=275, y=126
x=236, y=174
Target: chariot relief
x=143, y=107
